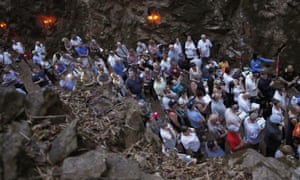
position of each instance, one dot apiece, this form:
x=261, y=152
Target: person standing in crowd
x=40, y=48
x=213, y=150
x=256, y=61
x=204, y=46
x=10, y=77
x=289, y=77
x=217, y=105
x=253, y=132
x=231, y=116
x=5, y=57
x=273, y=134
x=281, y=96
x=118, y=84
x=175, y=119
x=95, y=48
x=293, y=119
x=134, y=85
x=196, y=119
x=122, y=52
x=217, y=130
x=140, y=47
x=159, y=85
x=234, y=139
x=190, y=142
x=251, y=86
x=177, y=46
x=39, y=77
x=190, y=48
x=264, y=86
x=173, y=54
x=18, y=47
x=154, y=123
x=169, y=138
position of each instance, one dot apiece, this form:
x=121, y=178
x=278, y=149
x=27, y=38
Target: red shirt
x=233, y=140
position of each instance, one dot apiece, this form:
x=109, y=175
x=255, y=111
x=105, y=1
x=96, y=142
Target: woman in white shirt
x=190, y=48
x=281, y=96
x=190, y=141
x=169, y=138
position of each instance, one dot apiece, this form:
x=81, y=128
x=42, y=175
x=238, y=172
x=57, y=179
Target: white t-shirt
x=190, y=142
x=281, y=98
x=165, y=65
x=190, y=49
x=159, y=86
x=250, y=86
x=204, y=47
x=178, y=47
x=227, y=79
x=244, y=104
x=18, y=47
x=168, y=139
x=252, y=132
x=231, y=118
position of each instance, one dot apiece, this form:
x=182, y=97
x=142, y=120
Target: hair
x=211, y=144
x=254, y=55
x=227, y=70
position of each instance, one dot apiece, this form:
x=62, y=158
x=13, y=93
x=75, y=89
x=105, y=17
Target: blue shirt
x=218, y=152
x=195, y=117
x=119, y=69
x=256, y=64
x=81, y=50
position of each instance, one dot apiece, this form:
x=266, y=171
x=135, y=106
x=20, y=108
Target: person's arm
x=265, y=59
x=174, y=119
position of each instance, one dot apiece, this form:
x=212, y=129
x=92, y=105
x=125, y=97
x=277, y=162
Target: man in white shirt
x=252, y=131
x=19, y=48
x=244, y=102
x=5, y=57
x=204, y=46
x=231, y=116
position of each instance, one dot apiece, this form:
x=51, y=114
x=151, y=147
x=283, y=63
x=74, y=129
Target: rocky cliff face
x=269, y=27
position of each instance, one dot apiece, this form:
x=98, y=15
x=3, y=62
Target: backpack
x=296, y=131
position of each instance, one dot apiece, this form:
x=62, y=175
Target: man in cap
x=273, y=134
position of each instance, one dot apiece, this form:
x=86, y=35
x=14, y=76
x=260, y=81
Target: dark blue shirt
x=135, y=86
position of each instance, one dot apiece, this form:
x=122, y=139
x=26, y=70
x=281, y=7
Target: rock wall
x=234, y=27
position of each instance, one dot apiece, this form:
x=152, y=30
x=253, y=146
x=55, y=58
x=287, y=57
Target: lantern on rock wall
x=153, y=18
x=47, y=21
x=3, y=25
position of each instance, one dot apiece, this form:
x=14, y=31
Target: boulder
x=264, y=167
x=12, y=155
x=86, y=166
x=121, y=168
x=64, y=144
x=11, y=104
x=134, y=126
x=43, y=102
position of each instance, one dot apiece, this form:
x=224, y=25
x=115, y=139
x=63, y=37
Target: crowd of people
x=206, y=101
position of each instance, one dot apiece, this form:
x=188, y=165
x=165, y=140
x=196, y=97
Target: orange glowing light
x=3, y=25
x=47, y=21
x=154, y=18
